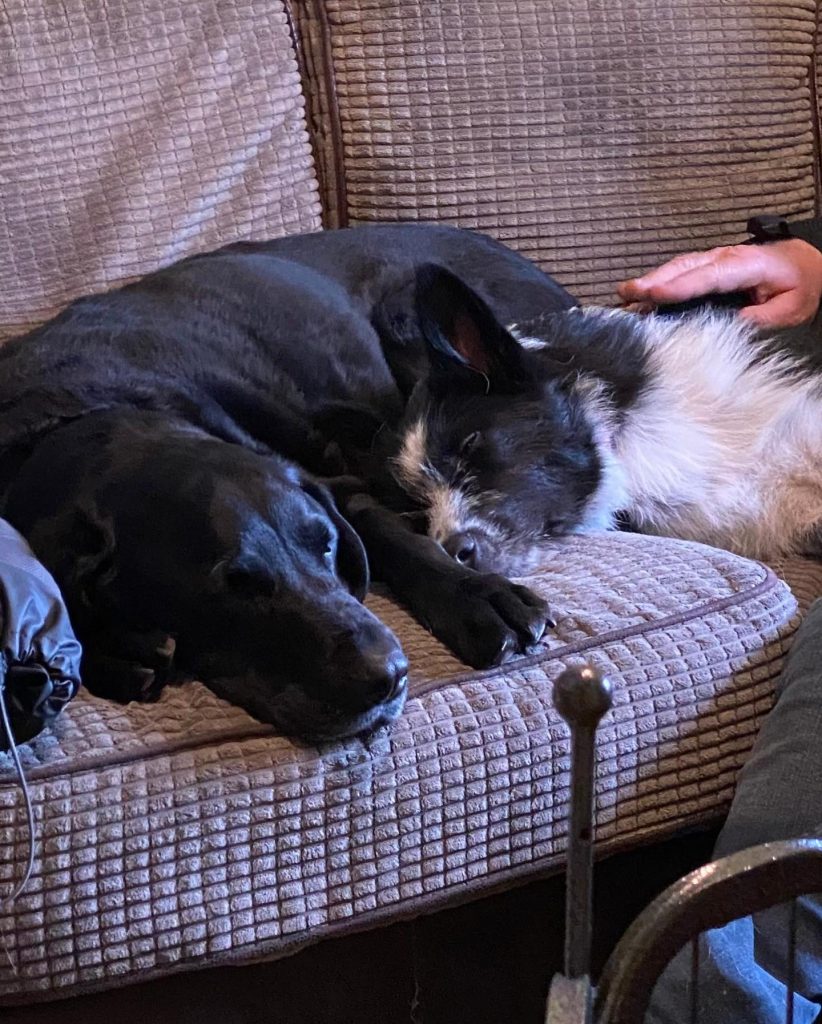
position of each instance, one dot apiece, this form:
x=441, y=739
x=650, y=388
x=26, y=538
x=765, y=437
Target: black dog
x=173, y=403
x=175, y=549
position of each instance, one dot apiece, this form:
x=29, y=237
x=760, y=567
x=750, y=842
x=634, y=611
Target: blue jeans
x=778, y=796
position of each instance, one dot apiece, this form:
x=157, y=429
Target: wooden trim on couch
x=816, y=114
x=311, y=34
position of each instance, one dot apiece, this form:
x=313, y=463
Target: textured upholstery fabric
x=183, y=833
x=596, y=138
x=132, y=134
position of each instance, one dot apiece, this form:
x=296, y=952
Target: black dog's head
x=155, y=529
x=496, y=444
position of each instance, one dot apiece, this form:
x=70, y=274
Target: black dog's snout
x=463, y=547
x=373, y=670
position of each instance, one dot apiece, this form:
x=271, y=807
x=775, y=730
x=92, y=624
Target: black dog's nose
x=463, y=547
x=380, y=678
x=396, y=675
x=376, y=672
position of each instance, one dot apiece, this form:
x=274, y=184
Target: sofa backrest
x=597, y=138
x=134, y=132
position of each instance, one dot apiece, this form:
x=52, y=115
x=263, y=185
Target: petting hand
x=784, y=279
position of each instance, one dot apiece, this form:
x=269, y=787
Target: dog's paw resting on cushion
x=128, y=666
x=486, y=619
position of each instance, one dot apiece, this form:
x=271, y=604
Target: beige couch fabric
x=132, y=134
x=182, y=834
x=597, y=138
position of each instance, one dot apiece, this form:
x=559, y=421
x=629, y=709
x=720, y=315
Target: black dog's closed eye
x=245, y=581
x=351, y=558
x=317, y=538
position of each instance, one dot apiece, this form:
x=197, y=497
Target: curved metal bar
x=712, y=896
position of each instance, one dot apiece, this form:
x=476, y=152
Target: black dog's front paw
x=138, y=671
x=492, y=620
x=120, y=680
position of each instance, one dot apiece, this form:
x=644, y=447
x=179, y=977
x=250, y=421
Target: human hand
x=784, y=279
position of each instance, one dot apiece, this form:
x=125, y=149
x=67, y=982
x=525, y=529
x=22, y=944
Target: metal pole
x=582, y=696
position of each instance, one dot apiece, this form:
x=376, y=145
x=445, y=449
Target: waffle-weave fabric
x=598, y=139
x=132, y=134
x=181, y=834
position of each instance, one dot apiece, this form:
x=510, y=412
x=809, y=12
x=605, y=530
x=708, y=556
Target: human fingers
x=726, y=269
x=638, y=288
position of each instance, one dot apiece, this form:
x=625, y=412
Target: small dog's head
x=496, y=445
x=152, y=526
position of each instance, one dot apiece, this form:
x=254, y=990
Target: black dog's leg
x=127, y=666
x=483, y=618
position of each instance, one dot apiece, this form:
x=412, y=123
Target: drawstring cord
x=21, y=778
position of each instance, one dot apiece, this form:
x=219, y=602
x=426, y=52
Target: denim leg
x=778, y=796
x=733, y=987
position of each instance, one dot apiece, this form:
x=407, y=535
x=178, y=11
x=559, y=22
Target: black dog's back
x=260, y=341
x=373, y=262
x=246, y=345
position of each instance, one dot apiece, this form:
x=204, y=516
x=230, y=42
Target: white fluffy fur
x=722, y=448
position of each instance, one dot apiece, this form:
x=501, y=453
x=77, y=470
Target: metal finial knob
x=582, y=695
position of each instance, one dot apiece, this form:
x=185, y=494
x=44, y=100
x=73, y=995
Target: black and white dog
x=691, y=426
x=164, y=448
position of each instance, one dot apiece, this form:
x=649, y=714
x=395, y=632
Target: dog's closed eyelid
x=218, y=570
x=244, y=580
x=318, y=536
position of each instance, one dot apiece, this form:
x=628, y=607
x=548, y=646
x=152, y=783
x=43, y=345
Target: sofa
x=596, y=138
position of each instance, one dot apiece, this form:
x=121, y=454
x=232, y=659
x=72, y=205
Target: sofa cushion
x=597, y=138
x=184, y=833
x=132, y=134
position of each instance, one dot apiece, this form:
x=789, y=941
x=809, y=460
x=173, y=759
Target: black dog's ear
x=465, y=340
x=352, y=561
